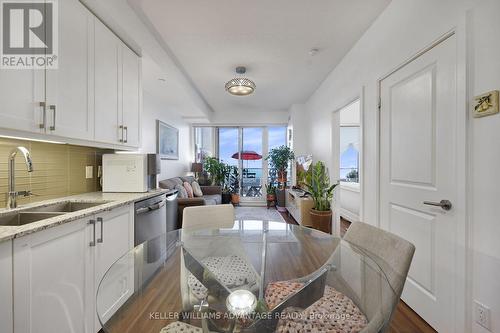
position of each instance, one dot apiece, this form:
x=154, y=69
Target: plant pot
x=321, y=220
x=280, y=198
x=235, y=199
x=271, y=197
x=226, y=198
x=282, y=176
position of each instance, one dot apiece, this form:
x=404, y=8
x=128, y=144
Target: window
x=204, y=143
x=255, y=143
x=349, y=142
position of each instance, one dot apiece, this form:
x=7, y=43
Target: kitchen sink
x=67, y=207
x=35, y=214
x=22, y=218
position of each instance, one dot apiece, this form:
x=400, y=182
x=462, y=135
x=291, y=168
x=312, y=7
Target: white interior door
x=418, y=163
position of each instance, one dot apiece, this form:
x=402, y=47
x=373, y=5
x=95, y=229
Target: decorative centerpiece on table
x=317, y=183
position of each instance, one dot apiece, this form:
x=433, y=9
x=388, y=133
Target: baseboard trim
x=348, y=215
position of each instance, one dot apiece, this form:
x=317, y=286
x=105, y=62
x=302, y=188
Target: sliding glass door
x=251, y=165
x=246, y=148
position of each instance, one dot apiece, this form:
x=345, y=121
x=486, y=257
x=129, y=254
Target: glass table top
x=239, y=279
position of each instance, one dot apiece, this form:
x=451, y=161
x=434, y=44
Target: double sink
x=30, y=215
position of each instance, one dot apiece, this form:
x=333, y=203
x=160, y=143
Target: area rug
x=258, y=213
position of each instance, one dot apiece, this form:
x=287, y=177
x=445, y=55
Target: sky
x=252, y=140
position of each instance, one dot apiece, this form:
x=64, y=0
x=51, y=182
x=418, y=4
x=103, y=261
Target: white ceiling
x=272, y=38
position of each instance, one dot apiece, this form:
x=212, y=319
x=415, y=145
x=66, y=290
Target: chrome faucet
x=12, y=194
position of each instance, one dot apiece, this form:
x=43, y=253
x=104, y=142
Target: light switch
x=89, y=170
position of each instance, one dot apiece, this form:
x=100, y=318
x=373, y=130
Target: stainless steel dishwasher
x=153, y=218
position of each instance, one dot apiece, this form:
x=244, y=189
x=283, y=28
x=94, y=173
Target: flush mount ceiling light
x=240, y=86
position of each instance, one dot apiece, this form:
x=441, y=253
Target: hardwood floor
x=404, y=320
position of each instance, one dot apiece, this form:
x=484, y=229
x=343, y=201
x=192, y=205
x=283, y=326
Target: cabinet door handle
x=121, y=133
x=100, y=220
x=43, y=105
x=53, y=108
x=92, y=243
x=125, y=129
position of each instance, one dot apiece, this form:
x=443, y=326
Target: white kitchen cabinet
x=21, y=92
x=57, y=272
x=93, y=97
x=117, y=90
x=115, y=236
x=6, y=317
x=52, y=270
x=107, y=120
x=68, y=88
x=131, y=76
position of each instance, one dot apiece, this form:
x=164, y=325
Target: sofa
x=212, y=195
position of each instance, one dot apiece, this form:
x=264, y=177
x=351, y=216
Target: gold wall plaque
x=486, y=104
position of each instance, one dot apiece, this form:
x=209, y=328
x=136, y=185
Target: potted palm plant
x=318, y=185
x=270, y=192
x=279, y=158
x=213, y=167
x=225, y=175
x=234, y=181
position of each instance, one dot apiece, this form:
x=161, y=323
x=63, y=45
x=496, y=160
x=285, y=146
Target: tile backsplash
x=58, y=170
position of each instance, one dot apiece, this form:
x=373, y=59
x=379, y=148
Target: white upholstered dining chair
x=393, y=255
x=211, y=216
x=369, y=290
x=225, y=257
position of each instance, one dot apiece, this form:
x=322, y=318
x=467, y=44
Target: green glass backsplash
x=59, y=170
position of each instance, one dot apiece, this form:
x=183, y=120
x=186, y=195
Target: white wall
x=402, y=30
x=156, y=108
x=485, y=161
x=299, y=123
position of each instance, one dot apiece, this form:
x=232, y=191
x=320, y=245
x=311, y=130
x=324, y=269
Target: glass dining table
x=257, y=276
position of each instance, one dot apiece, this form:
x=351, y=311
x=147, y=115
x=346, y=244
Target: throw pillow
x=182, y=192
x=196, y=189
x=189, y=189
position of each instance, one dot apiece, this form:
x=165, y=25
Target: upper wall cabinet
x=107, y=120
x=22, y=98
x=131, y=92
x=117, y=90
x=93, y=96
x=69, y=104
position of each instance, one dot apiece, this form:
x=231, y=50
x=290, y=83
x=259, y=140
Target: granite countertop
x=110, y=201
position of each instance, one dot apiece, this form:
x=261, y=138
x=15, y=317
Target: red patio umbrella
x=247, y=155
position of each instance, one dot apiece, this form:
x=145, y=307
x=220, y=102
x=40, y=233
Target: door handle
x=53, y=108
x=43, y=105
x=92, y=243
x=100, y=240
x=125, y=129
x=444, y=204
x=158, y=205
x=121, y=136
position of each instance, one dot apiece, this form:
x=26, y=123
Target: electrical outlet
x=482, y=315
x=89, y=170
